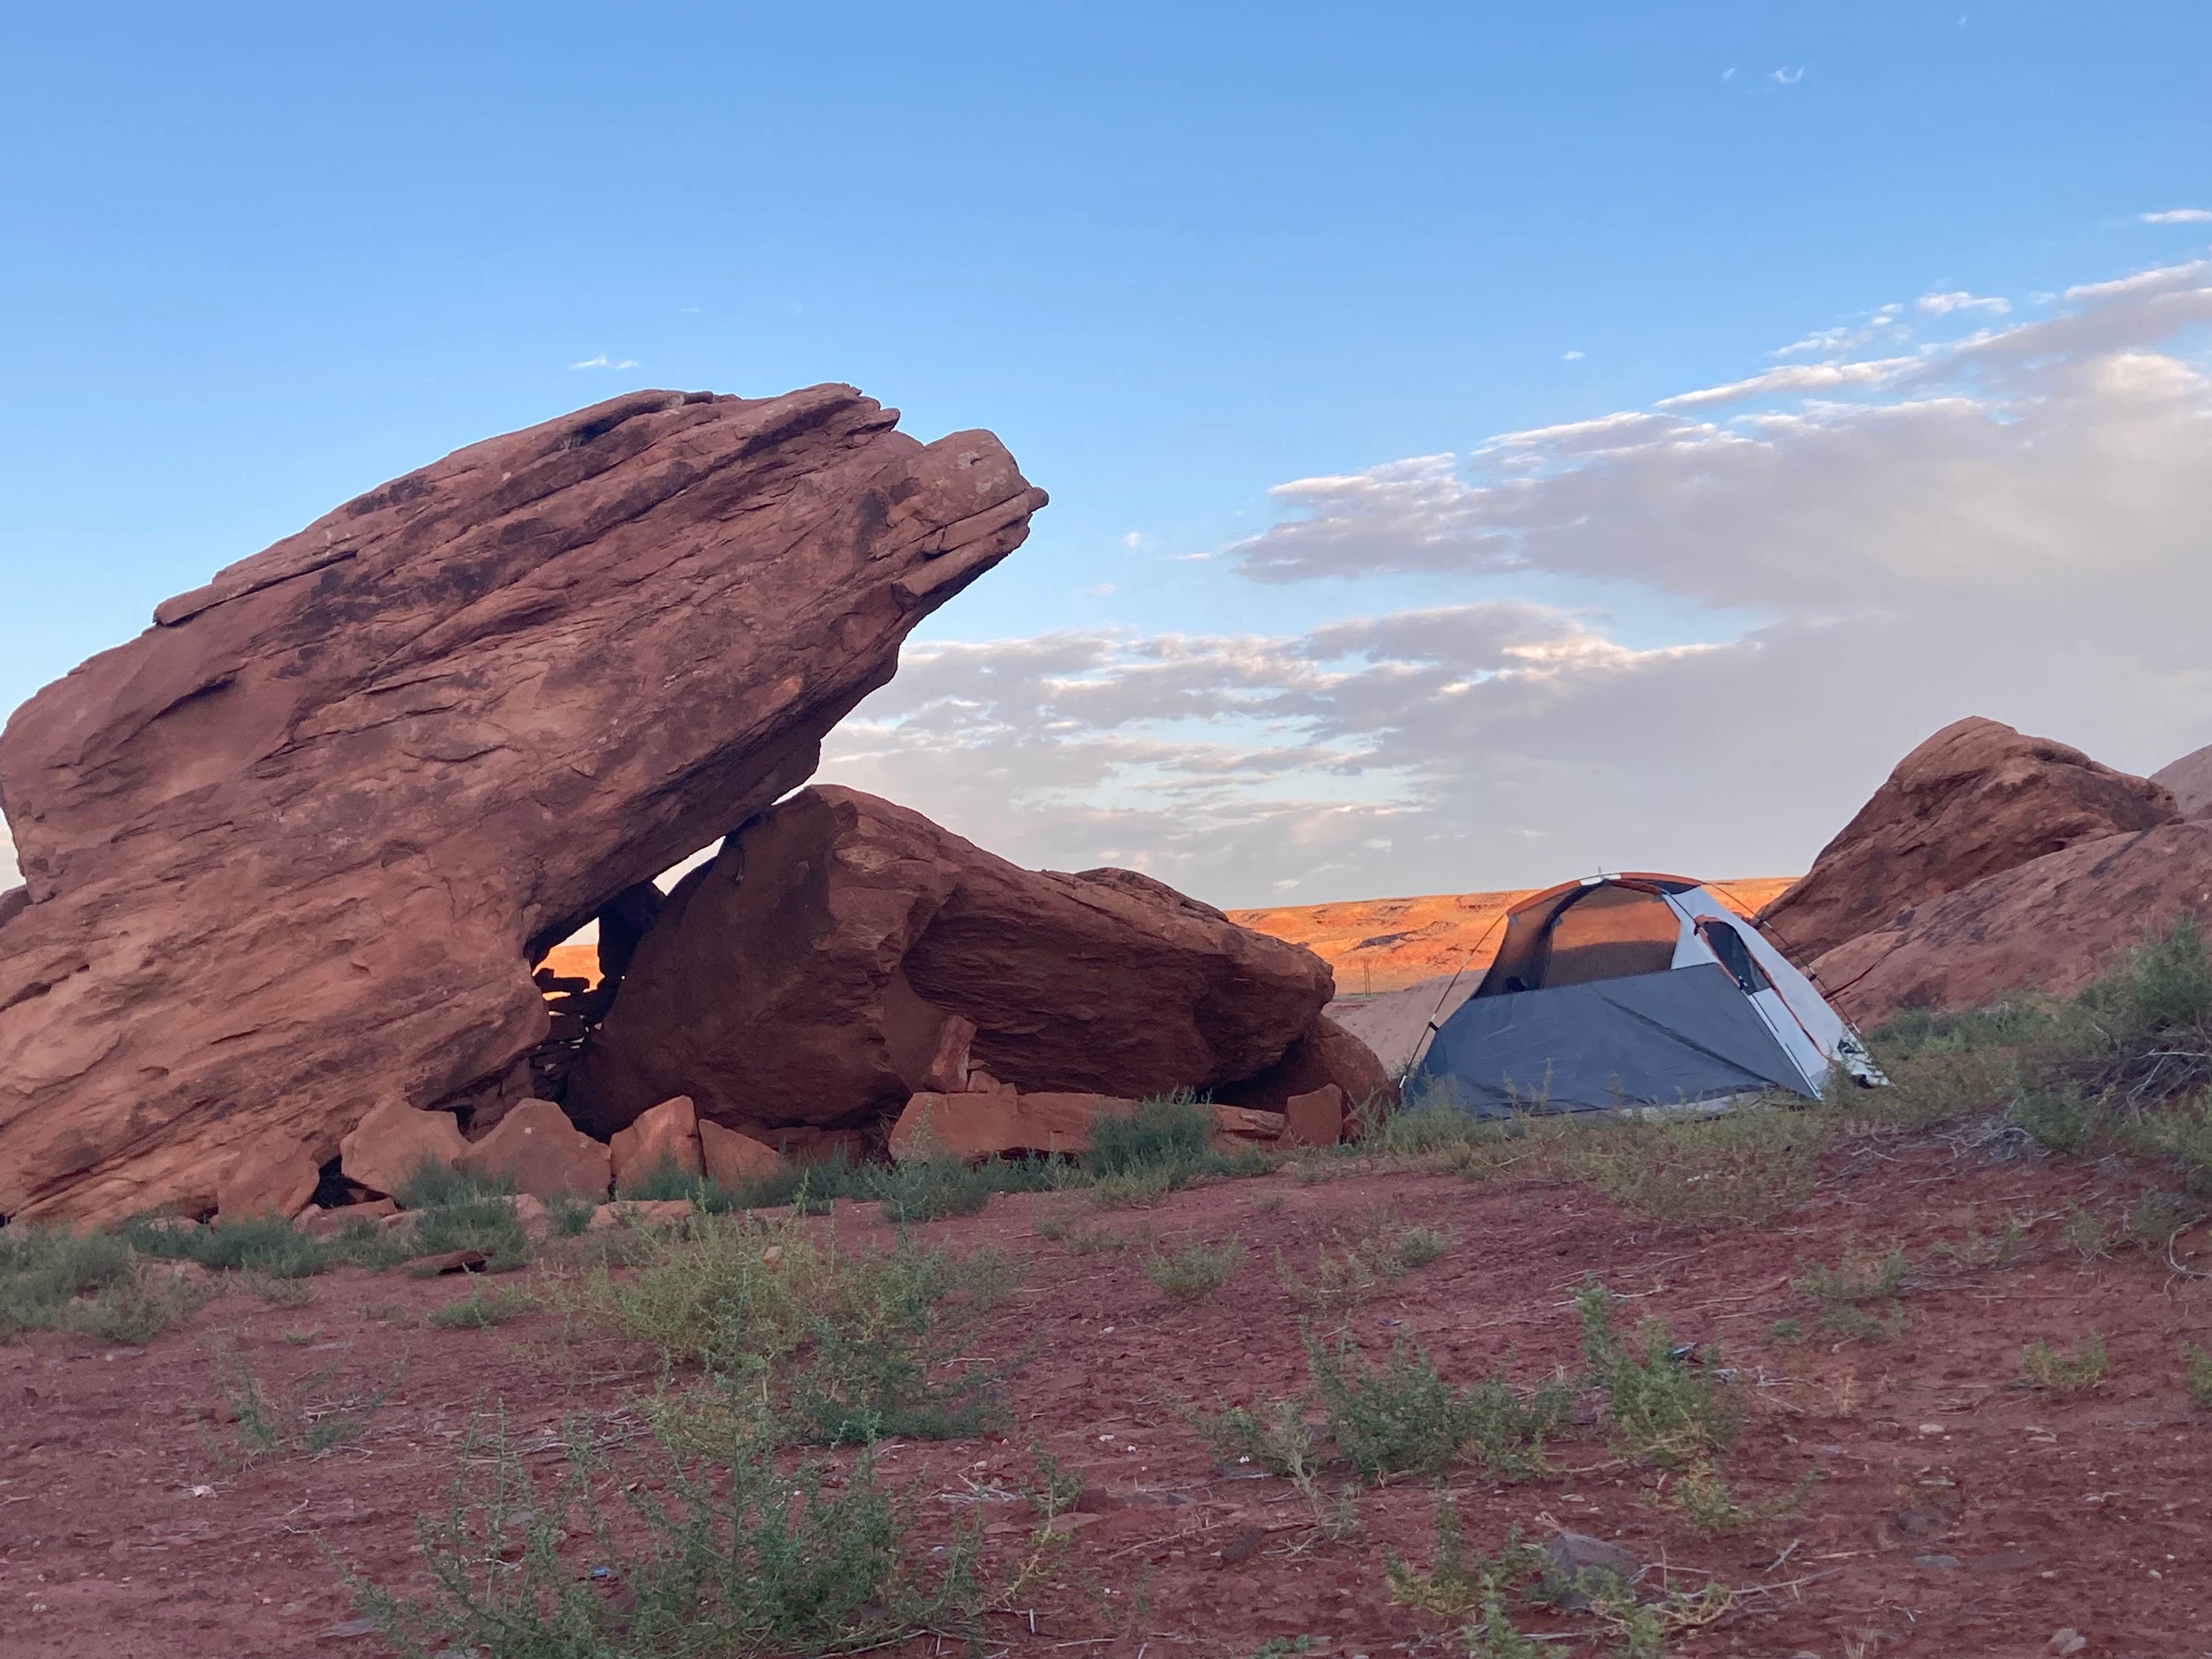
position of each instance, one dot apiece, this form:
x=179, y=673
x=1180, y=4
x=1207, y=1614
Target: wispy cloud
x=2178, y=217
x=604, y=361
x=1788, y=78
x=1571, y=356
x=1974, y=530
x=1939, y=305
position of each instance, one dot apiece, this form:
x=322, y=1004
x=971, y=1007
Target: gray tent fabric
x=1688, y=1034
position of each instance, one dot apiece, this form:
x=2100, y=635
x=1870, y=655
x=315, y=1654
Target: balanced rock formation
x=2190, y=779
x=843, y=954
x=296, y=845
x=1976, y=798
x=2050, y=924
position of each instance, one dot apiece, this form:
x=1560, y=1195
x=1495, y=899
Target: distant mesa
x=1375, y=946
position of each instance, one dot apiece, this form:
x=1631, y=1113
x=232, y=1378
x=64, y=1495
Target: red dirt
x=121, y=1534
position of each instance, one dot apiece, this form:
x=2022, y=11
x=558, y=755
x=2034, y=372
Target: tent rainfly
x=1633, y=990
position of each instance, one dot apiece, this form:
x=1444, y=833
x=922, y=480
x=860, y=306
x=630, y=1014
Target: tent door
x=1803, y=1053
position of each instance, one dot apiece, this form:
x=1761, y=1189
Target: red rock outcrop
x=2190, y=779
x=808, y=976
x=297, y=846
x=1976, y=798
x=2052, y=924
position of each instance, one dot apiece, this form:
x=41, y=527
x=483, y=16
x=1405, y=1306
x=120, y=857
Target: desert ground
x=1898, y=1472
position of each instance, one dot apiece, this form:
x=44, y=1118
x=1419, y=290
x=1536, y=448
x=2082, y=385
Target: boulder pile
x=1974, y=800
x=844, y=962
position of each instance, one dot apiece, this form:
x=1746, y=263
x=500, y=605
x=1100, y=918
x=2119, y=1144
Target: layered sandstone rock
x=1976, y=798
x=841, y=951
x=2052, y=925
x=296, y=846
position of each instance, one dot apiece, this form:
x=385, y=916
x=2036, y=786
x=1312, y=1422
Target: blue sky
x=255, y=259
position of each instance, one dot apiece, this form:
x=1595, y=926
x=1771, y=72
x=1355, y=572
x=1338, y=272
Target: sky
x=1487, y=443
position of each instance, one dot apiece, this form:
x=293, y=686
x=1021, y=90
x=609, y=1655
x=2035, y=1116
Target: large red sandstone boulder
x=536, y=1150
x=2190, y=779
x=297, y=846
x=2050, y=924
x=810, y=973
x=1976, y=798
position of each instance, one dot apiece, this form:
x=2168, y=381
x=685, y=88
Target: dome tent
x=1633, y=990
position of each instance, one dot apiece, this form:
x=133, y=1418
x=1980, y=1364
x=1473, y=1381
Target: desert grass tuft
x=1193, y=1272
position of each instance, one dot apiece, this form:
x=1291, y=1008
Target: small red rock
x=733, y=1159
x=667, y=1135
x=536, y=1149
x=273, y=1174
x=394, y=1141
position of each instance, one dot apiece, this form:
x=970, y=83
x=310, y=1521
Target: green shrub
x=724, y=1552
x=2053, y=1372
x=1401, y=1417
x=1662, y=1404
x=268, y=1245
x=312, y=1415
x=1917, y=1032
x=44, y=1269
x=482, y=1219
x=135, y=1309
x=840, y=1345
x=1740, y=1167
x=1425, y=1127
x=1133, y=1190
x=481, y=1310
x=2196, y=1375
x=1194, y=1271
x=931, y=1188
x=1174, y=1133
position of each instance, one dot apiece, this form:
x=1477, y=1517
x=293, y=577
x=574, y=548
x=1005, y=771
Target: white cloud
x=2012, y=524
x=1728, y=74
x=1939, y=305
x=1571, y=356
x=1795, y=377
x=2178, y=217
x=1788, y=78
x=604, y=361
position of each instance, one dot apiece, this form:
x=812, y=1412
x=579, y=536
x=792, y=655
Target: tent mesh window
x=1734, y=955
x=1610, y=931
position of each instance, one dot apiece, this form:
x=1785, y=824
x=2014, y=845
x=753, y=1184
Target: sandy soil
x=1385, y=944
x=1959, y=1511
